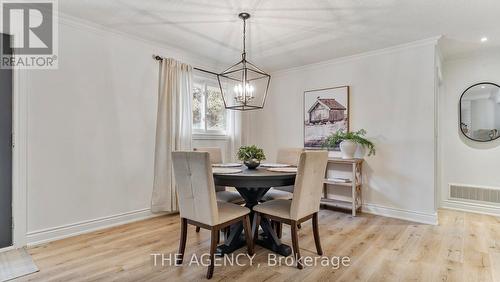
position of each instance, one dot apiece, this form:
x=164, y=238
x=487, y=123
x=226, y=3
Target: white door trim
x=19, y=156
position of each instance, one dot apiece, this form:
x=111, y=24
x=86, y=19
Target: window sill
x=209, y=136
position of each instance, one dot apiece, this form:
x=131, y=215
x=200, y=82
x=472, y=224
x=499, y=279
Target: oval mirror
x=480, y=112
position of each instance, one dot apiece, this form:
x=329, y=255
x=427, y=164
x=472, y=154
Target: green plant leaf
x=246, y=153
x=334, y=140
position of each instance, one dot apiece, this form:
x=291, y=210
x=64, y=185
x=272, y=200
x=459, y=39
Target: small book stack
x=339, y=180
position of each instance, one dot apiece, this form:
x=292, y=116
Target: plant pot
x=252, y=164
x=348, y=149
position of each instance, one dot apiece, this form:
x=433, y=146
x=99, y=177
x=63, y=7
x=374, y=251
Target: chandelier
x=244, y=86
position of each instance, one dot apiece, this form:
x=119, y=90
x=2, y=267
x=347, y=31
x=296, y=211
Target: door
x=5, y=153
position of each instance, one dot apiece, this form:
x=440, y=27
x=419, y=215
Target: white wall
x=91, y=130
x=464, y=161
x=392, y=97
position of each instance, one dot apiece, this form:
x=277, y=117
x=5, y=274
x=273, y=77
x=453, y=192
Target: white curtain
x=235, y=127
x=173, y=130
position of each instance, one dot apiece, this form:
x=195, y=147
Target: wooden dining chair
x=198, y=205
x=289, y=156
x=305, y=202
x=215, y=153
x=222, y=194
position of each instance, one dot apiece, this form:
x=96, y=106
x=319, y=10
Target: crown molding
x=432, y=41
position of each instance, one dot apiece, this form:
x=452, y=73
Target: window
x=209, y=113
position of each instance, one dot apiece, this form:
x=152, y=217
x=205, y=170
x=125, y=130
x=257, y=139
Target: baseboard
x=471, y=207
x=6, y=249
x=427, y=218
x=55, y=233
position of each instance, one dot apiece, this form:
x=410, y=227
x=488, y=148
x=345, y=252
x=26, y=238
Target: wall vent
x=474, y=193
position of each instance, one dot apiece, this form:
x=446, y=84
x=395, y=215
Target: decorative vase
x=252, y=164
x=348, y=149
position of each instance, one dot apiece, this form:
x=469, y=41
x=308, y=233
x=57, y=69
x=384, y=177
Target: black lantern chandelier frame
x=243, y=73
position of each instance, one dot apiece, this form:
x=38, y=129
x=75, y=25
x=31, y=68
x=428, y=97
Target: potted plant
x=251, y=156
x=348, y=142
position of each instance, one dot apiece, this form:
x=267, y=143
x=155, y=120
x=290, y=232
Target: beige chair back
x=215, y=158
x=289, y=156
x=195, y=187
x=215, y=154
x=308, y=184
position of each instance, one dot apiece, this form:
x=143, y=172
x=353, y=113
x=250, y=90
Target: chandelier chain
x=244, y=36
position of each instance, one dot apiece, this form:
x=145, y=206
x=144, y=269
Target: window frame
x=203, y=133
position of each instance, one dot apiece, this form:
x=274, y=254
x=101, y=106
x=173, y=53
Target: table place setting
x=227, y=165
x=226, y=170
x=274, y=165
x=288, y=169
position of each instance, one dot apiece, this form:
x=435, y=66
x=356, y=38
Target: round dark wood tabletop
x=255, y=178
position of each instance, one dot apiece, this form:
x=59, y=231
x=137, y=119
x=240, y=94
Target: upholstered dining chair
x=222, y=194
x=198, y=205
x=305, y=202
x=289, y=156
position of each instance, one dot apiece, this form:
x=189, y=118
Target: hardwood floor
x=464, y=247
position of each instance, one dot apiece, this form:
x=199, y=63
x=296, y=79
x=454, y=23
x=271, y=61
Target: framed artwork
x=326, y=111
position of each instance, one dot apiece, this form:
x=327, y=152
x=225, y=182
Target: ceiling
x=284, y=34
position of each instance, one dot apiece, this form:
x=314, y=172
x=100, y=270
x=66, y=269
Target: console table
x=352, y=167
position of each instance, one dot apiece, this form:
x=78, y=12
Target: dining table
x=252, y=185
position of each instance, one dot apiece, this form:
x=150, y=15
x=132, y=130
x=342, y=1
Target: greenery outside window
x=209, y=113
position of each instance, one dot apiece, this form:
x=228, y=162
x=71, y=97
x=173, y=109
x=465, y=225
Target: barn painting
x=326, y=111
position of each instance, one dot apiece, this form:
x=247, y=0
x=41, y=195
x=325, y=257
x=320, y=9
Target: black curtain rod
x=159, y=58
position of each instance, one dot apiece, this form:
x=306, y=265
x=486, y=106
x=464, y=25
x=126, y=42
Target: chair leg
x=256, y=231
x=248, y=235
x=197, y=229
x=295, y=245
x=213, y=246
x=182, y=241
x=316, y=234
x=225, y=233
x=279, y=229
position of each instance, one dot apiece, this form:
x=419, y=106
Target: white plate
x=225, y=170
x=283, y=169
x=274, y=165
x=227, y=165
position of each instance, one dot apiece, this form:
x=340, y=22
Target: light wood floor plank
x=463, y=247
